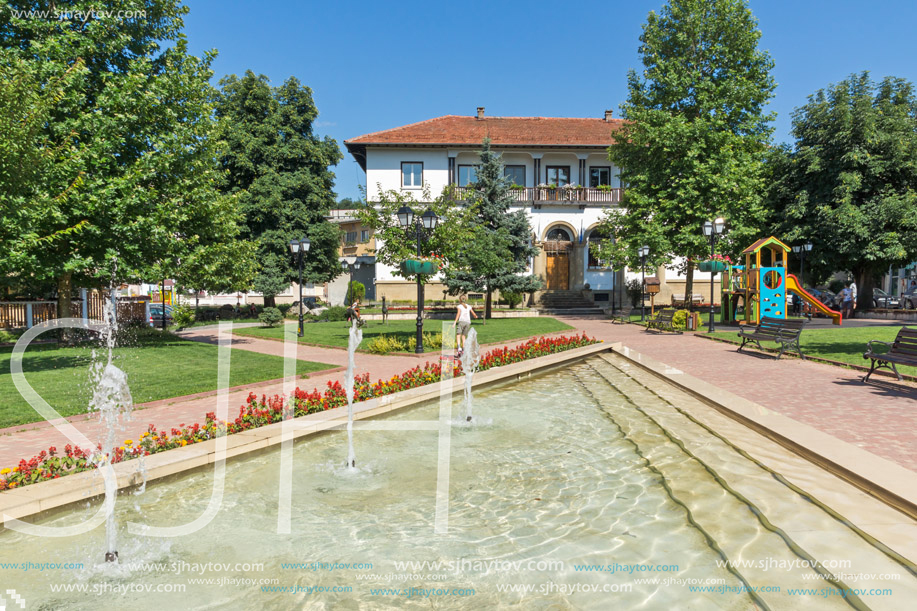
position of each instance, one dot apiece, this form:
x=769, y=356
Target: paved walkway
x=881, y=417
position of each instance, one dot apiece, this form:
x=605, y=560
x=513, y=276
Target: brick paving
x=880, y=418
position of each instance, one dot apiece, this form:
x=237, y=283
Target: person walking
x=463, y=316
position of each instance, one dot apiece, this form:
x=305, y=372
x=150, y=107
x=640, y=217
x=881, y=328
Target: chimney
x=480, y=113
x=608, y=114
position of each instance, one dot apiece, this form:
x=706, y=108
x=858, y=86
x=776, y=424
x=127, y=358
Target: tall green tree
x=695, y=134
x=849, y=183
x=279, y=169
x=497, y=256
x=141, y=115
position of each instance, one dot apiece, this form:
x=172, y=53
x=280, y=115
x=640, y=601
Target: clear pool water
x=582, y=487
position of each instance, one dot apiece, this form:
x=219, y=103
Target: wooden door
x=558, y=270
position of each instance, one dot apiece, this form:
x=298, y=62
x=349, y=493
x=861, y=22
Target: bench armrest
x=875, y=341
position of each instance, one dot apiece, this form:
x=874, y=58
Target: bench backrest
x=665, y=316
x=779, y=326
x=905, y=343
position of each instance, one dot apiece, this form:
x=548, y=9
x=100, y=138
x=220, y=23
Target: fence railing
x=572, y=195
x=27, y=314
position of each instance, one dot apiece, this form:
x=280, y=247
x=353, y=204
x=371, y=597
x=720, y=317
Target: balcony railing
x=562, y=195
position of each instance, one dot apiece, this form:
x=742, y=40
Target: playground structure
x=763, y=285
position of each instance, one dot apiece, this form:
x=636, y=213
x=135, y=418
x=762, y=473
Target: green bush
x=356, y=291
x=383, y=344
x=285, y=307
x=9, y=336
x=432, y=341
x=270, y=317
x=333, y=314
x=512, y=299
x=680, y=320
x=183, y=316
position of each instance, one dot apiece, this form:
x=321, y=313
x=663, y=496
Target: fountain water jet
x=356, y=336
x=112, y=399
x=471, y=357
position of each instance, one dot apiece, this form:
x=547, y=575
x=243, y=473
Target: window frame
x=364, y=235
x=547, y=171
x=519, y=166
x=458, y=173
x=404, y=186
x=589, y=255
x=607, y=168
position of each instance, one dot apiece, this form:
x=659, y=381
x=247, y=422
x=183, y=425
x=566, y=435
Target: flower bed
x=269, y=410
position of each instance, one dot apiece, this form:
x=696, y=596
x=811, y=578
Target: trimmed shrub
x=512, y=299
x=635, y=292
x=356, y=291
x=383, y=344
x=333, y=314
x=270, y=317
x=680, y=319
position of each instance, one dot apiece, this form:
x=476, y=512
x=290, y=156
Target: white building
x=562, y=176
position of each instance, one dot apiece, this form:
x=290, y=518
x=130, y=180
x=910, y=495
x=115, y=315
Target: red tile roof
x=503, y=131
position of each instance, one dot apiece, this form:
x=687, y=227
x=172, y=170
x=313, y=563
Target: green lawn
x=845, y=344
x=158, y=367
x=336, y=333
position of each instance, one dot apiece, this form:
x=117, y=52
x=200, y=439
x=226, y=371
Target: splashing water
x=356, y=336
x=471, y=357
x=112, y=399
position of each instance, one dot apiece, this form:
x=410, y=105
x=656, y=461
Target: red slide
x=794, y=286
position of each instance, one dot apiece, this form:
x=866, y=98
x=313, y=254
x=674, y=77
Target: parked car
x=908, y=300
x=825, y=296
x=881, y=299
x=156, y=315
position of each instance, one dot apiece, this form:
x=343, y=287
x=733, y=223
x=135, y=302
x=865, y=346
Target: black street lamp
x=353, y=264
x=801, y=251
x=422, y=227
x=643, y=252
x=299, y=248
x=711, y=230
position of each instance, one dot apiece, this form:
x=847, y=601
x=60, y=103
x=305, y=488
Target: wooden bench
x=902, y=351
x=663, y=321
x=679, y=301
x=785, y=332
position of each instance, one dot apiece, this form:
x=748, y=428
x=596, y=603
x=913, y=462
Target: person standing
x=846, y=299
x=463, y=315
x=853, y=289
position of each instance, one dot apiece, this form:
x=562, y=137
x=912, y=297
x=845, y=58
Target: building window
x=467, y=174
x=364, y=235
x=412, y=174
x=350, y=237
x=515, y=174
x=596, y=238
x=558, y=175
x=599, y=177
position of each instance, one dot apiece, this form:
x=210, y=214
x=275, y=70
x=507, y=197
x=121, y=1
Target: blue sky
x=375, y=65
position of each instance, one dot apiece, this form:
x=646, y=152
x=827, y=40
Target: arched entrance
x=557, y=244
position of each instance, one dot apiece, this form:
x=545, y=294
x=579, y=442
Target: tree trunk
x=64, y=288
x=866, y=282
x=487, y=302
x=269, y=301
x=689, y=285
x=197, y=300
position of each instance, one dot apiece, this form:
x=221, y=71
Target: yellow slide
x=793, y=286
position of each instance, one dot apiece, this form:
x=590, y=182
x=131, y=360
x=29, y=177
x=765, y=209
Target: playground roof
x=765, y=242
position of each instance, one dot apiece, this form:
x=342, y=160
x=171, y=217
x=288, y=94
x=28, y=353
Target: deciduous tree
x=695, y=134
x=848, y=184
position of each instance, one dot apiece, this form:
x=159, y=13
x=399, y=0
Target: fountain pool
x=586, y=466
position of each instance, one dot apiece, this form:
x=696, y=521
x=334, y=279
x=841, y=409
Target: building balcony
x=578, y=196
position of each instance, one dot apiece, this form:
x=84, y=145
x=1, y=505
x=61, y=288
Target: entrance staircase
x=567, y=303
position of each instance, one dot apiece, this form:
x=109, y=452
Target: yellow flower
x=4, y=471
x=184, y=442
x=128, y=442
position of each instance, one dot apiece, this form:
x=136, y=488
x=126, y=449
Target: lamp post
x=351, y=263
x=801, y=251
x=422, y=227
x=711, y=230
x=643, y=251
x=299, y=248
